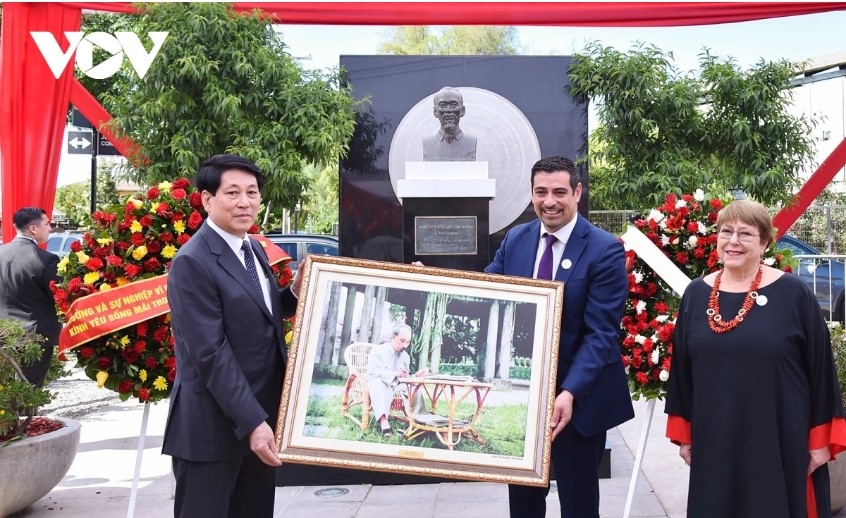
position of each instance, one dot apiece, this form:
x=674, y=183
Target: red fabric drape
x=33, y=108
x=592, y=14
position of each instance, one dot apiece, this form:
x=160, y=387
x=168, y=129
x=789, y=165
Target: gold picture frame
x=489, y=342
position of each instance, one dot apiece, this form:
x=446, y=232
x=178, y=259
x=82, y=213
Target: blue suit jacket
x=230, y=353
x=595, y=292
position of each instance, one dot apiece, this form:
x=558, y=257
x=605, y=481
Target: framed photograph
x=421, y=370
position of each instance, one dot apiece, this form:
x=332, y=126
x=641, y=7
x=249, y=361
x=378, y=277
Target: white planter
x=33, y=466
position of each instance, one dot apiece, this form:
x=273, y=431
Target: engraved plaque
x=506, y=141
x=450, y=235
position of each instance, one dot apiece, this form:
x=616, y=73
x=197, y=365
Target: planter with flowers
x=35, y=452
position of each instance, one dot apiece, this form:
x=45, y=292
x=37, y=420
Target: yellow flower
x=179, y=226
x=165, y=186
x=124, y=340
x=160, y=383
x=154, y=207
x=104, y=241
x=288, y=336
x=139, y=252
x=135, y=227
x=142, y=375
x=82, y=257
x=91, y=277
x=62, y=264
x=136, y=203
x=102, y=376
x=2, y=412
x=122, y=281
x=105, y=287
x=168, y=251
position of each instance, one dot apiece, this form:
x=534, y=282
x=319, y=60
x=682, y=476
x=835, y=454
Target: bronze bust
x=450, y=143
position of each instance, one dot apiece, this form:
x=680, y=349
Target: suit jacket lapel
x=526, y=251
x=230, y=262
x=573, y=250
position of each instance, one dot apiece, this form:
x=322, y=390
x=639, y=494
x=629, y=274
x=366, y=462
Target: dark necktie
x=250, y=264
x=545, y=265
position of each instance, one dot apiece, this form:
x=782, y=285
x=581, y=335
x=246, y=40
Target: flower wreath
x=684, y=229
x=113, y=296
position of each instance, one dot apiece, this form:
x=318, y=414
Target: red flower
x=195, y=199
x=137, y=239
x=166, y=237
x=642, y=378
x=132, y=270
x=154, y=246
x=160, y=333
x=162, y=209
x=114, y=260
x=76, y=246
x=178, y=194
x=151, y=363
x=146, y=220
x=152, y=193
x=144, y=394
x=195, y=220
x=125, y=387
x=94, y=264
x=141, y=329
x=181, y=183
x=86, y=351
x=152, y=264
x=182, y=239
x=104, y=363
x=130, y=355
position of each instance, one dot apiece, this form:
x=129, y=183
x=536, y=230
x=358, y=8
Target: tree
x=223, y=83
x=663, y=131
x=74, y=200
x=320, y=210
x=458, y=40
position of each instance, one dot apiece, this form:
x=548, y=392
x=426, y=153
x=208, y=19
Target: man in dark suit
x=593, y=394
x=230, y=354
x=25, y=274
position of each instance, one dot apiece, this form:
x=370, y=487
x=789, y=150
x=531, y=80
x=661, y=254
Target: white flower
x=654, y=355
x=662, y=318
x=702, y=228
x=680, y=203
x=769, y=261
x=664, y=375
x=640, y=339
x=699, y=195
x=665, y=240
x=638, y=275
x=627, y=370
x=691, y=242
x=655, y=215
x=674, y=241
x=640, y=306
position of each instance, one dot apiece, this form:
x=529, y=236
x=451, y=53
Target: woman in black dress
x=753, y=398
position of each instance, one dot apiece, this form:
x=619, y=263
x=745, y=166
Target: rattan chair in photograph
x=356, y=393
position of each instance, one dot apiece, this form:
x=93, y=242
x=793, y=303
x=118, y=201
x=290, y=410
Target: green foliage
x=663, y=131
x=322, y=201
x=458, y=40
x=223, y=82
x=838, y=349
x=19, y=399
x=74, y=200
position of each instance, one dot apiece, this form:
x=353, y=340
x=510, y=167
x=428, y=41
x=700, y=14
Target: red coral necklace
x=715, y=320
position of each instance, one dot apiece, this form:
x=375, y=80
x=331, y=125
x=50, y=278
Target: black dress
x=752, y=395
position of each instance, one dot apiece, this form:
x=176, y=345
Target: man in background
x=450, y=143
x=592, y=391
x=25, y=274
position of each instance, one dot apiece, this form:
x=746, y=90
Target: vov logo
x=117, y=45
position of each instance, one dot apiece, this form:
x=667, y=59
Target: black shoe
x=387, y=432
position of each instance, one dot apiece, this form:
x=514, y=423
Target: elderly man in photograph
x=230, y=353
x=592, y=391
x=25, y=274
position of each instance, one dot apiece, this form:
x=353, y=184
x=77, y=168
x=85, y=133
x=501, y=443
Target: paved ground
x=99, y=482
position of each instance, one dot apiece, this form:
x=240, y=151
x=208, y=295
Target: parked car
x=59, y=243
x=824, y=275
x=298, y=245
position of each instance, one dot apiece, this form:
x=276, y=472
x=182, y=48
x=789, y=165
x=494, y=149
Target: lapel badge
x=566, y=264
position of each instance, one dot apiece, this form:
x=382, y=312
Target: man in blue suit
x=226, y=313
x=593, y=394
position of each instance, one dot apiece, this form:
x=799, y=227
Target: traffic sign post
x=80, y=142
